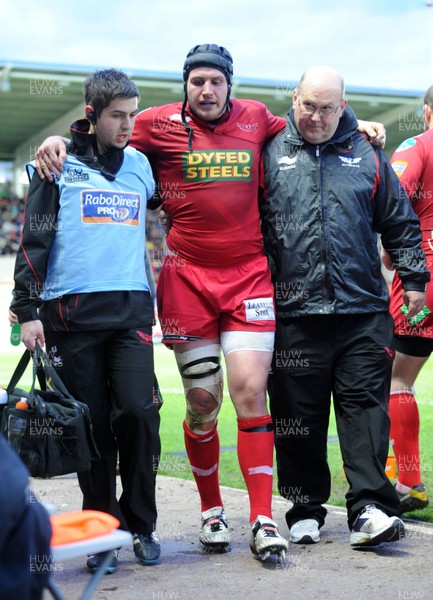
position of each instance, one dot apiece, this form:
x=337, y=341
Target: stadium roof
x=39, y=99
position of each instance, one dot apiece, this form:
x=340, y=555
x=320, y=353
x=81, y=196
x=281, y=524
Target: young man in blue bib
x=81, y=287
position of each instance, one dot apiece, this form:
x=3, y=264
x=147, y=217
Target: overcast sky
x=374, y=43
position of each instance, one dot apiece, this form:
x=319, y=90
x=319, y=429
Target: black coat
x=322, y=210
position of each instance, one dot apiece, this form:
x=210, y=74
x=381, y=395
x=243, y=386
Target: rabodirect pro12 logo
x=108, y=206
x=212, y=165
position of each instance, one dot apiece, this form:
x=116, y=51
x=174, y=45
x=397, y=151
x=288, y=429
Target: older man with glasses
x=328, y=195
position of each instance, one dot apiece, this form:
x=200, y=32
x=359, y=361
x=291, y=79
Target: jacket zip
x=322, y=240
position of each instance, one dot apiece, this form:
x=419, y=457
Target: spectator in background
x=11, y=221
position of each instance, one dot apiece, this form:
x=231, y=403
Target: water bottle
x=16, y=334
x=21, y=436
x=17, y=425
x=22, y=404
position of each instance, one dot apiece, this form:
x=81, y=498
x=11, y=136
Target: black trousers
x=348, y=357
x=112, y=372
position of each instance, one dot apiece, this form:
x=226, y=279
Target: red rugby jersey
x=413, y=163
x=210, y=192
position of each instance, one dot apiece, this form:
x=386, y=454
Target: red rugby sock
x=255, y=455
x=404, y=415
x=203, y=453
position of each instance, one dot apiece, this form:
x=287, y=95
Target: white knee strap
x=201, y=368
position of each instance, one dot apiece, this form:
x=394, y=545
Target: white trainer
x=266, y=540
x=305, y=531
x=372, y=527
x=214, y=533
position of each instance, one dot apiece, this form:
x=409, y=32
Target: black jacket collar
x=84, y=147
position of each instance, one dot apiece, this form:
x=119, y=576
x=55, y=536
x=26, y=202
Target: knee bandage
x=201, y=368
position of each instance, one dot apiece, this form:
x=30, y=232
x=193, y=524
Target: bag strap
x=19, y=371
x=46, y=372
x=43, y=369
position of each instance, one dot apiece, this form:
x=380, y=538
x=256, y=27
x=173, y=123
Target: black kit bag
x=54, y=436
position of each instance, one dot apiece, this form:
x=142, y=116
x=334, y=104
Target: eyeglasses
x=326, y=111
